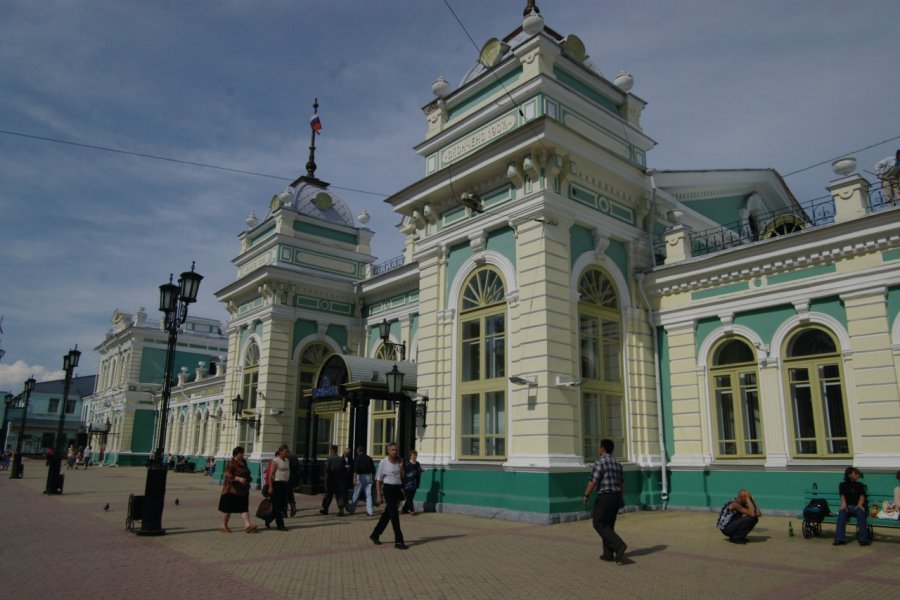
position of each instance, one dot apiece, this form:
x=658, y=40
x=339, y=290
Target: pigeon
x=177, y=501
x=106, y=507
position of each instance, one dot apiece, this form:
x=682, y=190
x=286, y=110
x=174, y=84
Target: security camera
x=565, y=382
x=529, y=380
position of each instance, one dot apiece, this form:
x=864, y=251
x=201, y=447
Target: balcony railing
x=389, y=265
x=780, y=222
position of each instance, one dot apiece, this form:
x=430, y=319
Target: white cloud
x=13, y=376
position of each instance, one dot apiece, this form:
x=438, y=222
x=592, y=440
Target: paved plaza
x=68, y=545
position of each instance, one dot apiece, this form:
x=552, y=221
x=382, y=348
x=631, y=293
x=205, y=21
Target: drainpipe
x=639, y=277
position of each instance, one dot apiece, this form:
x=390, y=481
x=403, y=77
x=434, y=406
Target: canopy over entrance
x=343, y=377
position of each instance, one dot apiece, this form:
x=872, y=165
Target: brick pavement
x=68, y=544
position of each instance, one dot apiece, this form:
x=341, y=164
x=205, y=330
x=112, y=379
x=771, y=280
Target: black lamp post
x=7, y=403
x=17, y=460
x=384, y=332
x=54, y=478
x=174, y=300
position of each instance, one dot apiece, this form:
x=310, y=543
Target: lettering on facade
x=328, y=407
x=478, y=138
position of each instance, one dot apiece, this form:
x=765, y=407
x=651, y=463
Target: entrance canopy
x=342, y=377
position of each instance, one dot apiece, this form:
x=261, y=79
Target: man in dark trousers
x=335, y=482
x=607, y=479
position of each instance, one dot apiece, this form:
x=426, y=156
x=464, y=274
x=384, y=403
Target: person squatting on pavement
x=606, y=478
x=738, y=517
x=389, y=486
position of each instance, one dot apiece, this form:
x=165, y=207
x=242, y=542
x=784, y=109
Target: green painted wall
x=325, y=233
x=581, y=240
x=832, y=307
x=503, y=242
x=893, y=304
x=153, y=363
x=144, y=431
x=302, y=329
x=781, y=491
x=457, y=256
x=665, y=386
x=704, y=328
x=721, y=210
x=765, y=321
x=338, y=333
x=618, y=252
x=501, y=85
x=528, y=492
x=585, y=90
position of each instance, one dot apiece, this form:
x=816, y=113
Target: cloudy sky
x=230, y=83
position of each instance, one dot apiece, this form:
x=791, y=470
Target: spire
x=530, y=6
x=315, y=125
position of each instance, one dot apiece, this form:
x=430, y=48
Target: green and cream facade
x=552, y=293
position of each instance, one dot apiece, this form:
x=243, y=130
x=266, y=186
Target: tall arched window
x=733, y=382
x=482, y=372
x=816, y=390
x=600, y=342
x=311, y=358
x=250, y=376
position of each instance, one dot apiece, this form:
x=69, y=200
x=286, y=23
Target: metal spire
x=311, y=163
x=531, y=6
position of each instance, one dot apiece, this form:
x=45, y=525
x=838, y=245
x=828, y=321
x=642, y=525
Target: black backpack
x=816, y=510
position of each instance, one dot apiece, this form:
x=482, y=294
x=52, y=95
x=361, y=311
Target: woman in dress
x=412, y=474
x=235, y=496
x=388, y=486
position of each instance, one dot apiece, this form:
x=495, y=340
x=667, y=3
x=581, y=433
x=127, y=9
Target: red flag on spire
x=315, y=123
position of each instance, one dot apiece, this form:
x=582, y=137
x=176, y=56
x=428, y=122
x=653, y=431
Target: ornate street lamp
x=384, y=331
x=174, y=300
x=17, y=460
x=54, y=477
x=237, y=407
x=394, y=379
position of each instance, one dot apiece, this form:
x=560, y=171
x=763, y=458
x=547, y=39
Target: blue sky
x=729, y=84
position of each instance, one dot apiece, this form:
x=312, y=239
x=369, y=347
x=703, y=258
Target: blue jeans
x=363, y=483
x=862, y=532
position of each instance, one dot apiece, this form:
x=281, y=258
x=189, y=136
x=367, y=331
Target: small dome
x=320, y=203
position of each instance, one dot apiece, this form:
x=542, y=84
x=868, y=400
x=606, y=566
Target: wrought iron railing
x=388, y=265
x=877, y=200
x=758, y=227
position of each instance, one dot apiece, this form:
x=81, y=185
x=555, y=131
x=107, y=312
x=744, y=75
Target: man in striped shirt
x=607, y=479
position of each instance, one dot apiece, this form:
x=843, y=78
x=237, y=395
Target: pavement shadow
x=435, y=538
x=751, y=539
x=647, y=550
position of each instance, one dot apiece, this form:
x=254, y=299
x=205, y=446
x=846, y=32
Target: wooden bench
x=812, y=528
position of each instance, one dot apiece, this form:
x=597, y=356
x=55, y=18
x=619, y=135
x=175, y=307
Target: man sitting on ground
x=738, y=517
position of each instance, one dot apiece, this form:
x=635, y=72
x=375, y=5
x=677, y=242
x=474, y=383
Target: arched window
x=815, y=387
x=250, y=376
x=311, y=358
x=600, y=343
x=734, y=389
x=482, y=372
x=387, y=352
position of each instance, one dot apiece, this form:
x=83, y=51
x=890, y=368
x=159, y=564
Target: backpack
x=816, y=510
